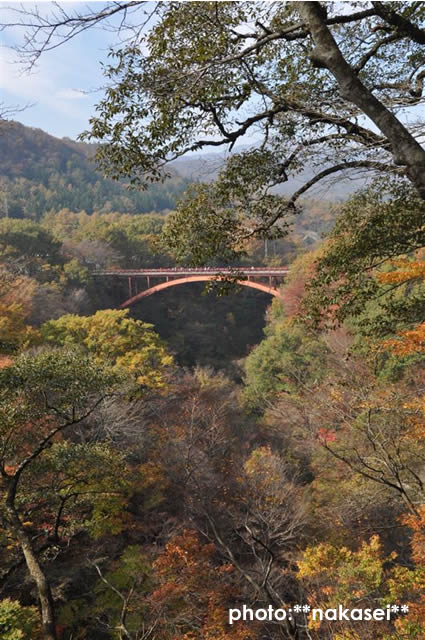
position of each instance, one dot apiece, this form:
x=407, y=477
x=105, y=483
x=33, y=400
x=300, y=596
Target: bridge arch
x=198, y=278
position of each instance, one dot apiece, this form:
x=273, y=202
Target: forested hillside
x=220, y=465
x=40, y=173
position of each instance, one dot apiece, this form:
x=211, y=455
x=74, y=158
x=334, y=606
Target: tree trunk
x=405, y=149
x=37, y=574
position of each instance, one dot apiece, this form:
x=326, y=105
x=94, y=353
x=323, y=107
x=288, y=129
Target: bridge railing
x=170, y=271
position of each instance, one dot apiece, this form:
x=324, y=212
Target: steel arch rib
x=173, y=283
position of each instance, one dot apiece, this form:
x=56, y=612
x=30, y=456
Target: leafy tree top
x=114, y=338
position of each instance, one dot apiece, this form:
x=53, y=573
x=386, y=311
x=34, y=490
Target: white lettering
x=280, y=614
x=232, y=613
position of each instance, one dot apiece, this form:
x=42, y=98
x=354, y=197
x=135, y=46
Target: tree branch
x=406, y=150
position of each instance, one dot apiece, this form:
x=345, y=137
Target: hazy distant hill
x=205, y=167
x=39, y=172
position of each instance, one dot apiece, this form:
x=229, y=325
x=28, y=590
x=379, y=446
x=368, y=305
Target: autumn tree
x=284, y=361
x=407, y=272
x=359, y=579
x=114, y=338
x=191, y=579
x=205, y=462
x=120, y=603
x=15, y=306
x=43, y=475
x=355, y=276
x=181, y=591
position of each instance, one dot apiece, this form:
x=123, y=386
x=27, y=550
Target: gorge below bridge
x=145, y=282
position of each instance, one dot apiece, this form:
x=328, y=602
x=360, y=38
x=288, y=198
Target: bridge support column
x=130, y=289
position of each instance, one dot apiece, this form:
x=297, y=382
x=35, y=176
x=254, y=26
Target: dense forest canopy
x=42, y=173
x=161, y=467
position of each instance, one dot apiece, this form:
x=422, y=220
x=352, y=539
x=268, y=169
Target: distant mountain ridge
x=39, y=172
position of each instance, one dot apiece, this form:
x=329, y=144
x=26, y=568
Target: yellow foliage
x=113, y=338
x=15, y=305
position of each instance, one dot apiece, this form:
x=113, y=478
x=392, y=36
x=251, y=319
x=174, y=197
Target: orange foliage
x=408, y=342
x=405, y=272
x=414, y=581
x=413, y=340
x=195, y=592
x=5, y=361
x=417, y=524
x=10, y=469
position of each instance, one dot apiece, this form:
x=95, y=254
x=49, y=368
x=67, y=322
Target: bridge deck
x=199, y=271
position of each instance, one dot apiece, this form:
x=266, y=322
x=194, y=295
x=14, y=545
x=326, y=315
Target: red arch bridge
x=145, y=282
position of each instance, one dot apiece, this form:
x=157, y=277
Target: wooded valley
x=211, y=449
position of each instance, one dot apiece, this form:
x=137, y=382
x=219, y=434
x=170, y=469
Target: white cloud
x=65, y=83
x=56, y=107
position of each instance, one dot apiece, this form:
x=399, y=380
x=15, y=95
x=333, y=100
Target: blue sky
x=66, y=84
x=57, y=87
